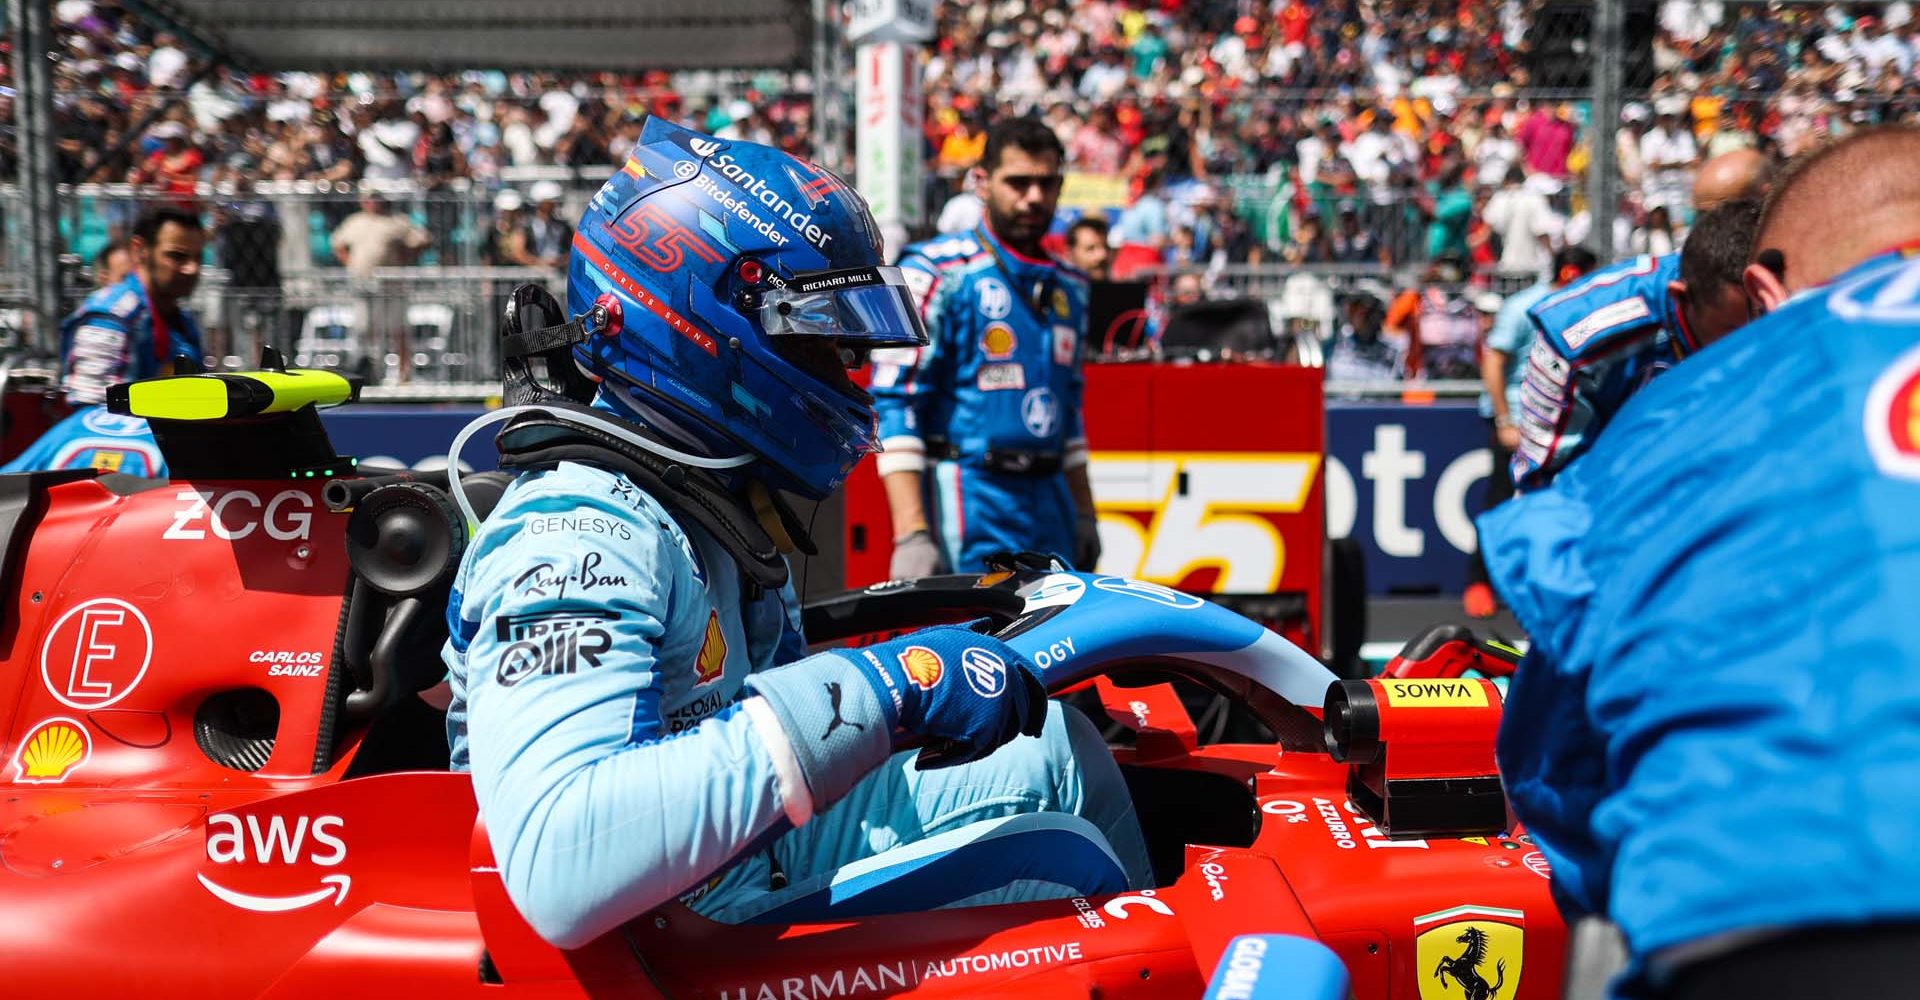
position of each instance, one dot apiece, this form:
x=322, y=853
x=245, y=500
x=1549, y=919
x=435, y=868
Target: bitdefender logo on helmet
x=757, y=189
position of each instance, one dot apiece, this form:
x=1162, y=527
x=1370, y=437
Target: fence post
x=1603, y=172
x=33, y=113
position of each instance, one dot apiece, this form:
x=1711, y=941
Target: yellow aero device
x=229, y=396
x=241, y=425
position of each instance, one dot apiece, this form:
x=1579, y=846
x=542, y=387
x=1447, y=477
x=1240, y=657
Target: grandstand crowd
x=1405, y=137
x=1410, y=117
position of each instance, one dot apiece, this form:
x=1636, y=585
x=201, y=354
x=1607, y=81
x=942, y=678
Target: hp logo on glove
x=986, y=673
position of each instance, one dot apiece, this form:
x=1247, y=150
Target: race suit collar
x=995, y=242
x=162, y=339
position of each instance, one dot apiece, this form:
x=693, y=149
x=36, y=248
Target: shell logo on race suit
x=1893, y=418
x=713, y=652
x=923, y=666
x=998, y=341
x=52, y=752
x=1473, y=952
x=1198, y=521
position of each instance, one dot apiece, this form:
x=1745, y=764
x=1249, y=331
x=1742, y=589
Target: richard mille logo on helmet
x=757, y=190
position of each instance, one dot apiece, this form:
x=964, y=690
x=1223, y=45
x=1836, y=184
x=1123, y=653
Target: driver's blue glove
x=962, y=692
x=957, y=692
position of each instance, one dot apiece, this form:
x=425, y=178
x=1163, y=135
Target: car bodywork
x=220, y=781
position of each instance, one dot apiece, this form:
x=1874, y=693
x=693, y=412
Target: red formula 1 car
x=220, y=780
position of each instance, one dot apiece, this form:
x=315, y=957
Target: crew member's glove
x=1086, y=542
x=915, y=556
x=960, y=693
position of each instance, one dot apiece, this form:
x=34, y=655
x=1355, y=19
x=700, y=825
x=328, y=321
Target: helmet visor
x=863, y=306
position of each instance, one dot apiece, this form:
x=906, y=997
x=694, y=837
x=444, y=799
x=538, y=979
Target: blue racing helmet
x=740, y=283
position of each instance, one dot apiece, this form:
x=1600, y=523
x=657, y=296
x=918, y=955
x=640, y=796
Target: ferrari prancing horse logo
x=1473, y=952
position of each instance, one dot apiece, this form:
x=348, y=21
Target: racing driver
x=630, y=688
x=1750, y=519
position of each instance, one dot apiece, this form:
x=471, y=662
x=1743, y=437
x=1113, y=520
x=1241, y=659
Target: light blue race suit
x=115, y=336
x=1598, y=341
x=612, y=675
x=998, y=385
x=1716, y=732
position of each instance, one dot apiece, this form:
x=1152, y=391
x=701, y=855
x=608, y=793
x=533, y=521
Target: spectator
x=1626, y=144
x=1309, y=243
x=1452, y=210
x=1438, y=324
x=437, y=158
x=1353, y=243
x=112, y=264
x=1525, y=224
x=1096, y=148
x=174, y=168
x=1656, y=235
x=246, y=242
x=1379, y=152
x=1670, y=154
x=374, y=237
x=1496, y=153
x=549, y=239
x=1363, y=350
x=506, y=244
x=386, y=141
x=1145, y=221
x=1087, y=247
x=1546, y=140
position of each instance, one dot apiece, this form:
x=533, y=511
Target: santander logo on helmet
x=738, y=268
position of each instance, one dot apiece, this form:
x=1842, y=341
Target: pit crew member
x=1501, y=364
x=630, y=687
x=133, y=329
x=1750, y=517
x=1600, y=339
x=981, y=429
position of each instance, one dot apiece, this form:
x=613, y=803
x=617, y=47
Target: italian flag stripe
x=1468, y=911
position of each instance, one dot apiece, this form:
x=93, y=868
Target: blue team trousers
x=977, y=512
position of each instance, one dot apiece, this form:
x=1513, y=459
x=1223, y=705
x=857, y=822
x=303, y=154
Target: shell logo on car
x=52, y=752
x=923, y=666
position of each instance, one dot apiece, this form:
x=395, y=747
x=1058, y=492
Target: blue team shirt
x=1001, y=368
x=1598, y=341
x=1717, y=729
x=111, y=338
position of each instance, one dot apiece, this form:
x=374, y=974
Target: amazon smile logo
x=280, y=845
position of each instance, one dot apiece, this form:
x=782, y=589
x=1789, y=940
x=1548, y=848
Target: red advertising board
x=1208, y=479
